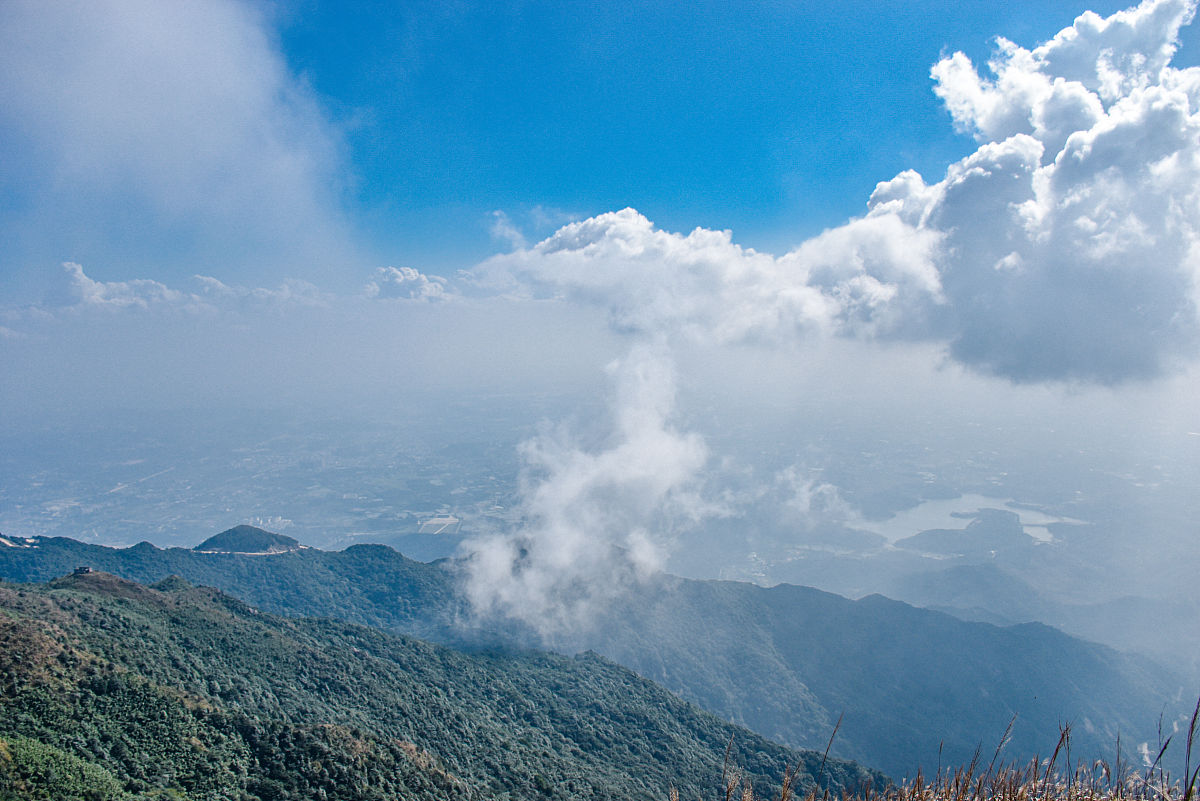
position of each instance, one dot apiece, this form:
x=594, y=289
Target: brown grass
x=1037, y=780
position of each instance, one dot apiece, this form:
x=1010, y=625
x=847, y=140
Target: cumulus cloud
x=705, y=286
x=290, y=292
x=80, y=292
x=1070, y=235
x=1064, y=248
x=140, y=293
x=407, y=283
x=595, y=520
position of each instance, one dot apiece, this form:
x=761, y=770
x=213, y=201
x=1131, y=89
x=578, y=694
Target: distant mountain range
x=991, y=593
x=914, y=685
x=113, y=690
x=992, y=570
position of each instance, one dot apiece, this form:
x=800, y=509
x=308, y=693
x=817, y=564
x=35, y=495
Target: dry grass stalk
x=1038, y=780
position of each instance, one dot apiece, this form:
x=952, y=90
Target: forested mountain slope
x=915, y=685
x=134, y=691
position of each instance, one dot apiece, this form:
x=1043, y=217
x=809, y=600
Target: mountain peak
x=248, y=540
x=102, y=583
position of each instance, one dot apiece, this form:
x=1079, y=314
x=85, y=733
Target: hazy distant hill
x=910, y=681
x=990, y=593
x=121, y=687
x=784, y=661
x=248, y=540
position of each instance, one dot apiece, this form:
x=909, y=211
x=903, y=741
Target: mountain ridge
x=185, y=689
x=785, y=661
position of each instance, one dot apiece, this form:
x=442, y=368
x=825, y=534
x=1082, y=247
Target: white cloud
x=96, y=345
x=596, y=520
x=1085, y=187
x=812, y=502
x=139, y=293
x=704, y=286
x=143, y=129
x=1063, y=249
x=407, y=283
x=292, y=292
x=1068, y=83
x=504, y=230
x=1116, y=56
x=79, y=292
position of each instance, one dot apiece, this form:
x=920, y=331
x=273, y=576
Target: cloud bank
x=93, y=346
x=78, y=294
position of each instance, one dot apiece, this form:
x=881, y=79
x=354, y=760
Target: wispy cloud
x=503, y=230
x=145, y=130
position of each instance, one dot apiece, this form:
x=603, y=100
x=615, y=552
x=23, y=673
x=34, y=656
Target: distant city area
x=327, y=485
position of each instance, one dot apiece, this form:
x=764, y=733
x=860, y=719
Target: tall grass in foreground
x=1037, y=780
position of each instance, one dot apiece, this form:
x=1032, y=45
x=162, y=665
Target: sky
x=265, y=142
x=715, y=217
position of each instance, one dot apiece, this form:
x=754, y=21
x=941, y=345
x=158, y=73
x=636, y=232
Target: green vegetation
x=914, y=685
x=111, y=689
x=33, y=770
x=248, y=539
